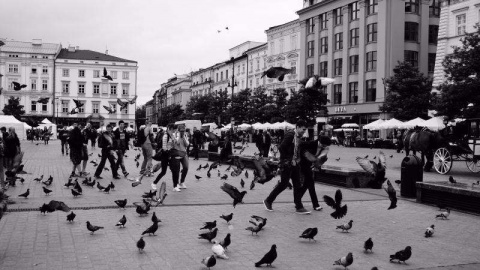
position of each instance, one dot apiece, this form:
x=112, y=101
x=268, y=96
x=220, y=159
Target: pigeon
x=242, y=183
x=252, y=185
x=78, y=103
x=219, y=251
x=112, y=186
x=199, y=168
x=137, y=164
x=377, y=170
x=368, y=245
x=254, y=229
x=340, y=211
x=209, y=235
x=269, y=257
x=315, y=82
x=224, y=177
x=226, y=241
x=25, y=195
x=122, y=221
x=107, y=189
x=74, y=111
x=391, y=156
x=38, y=179
x=21, y=180
x=111, y=109
x=155, y=218
x=69, y=183
x=451, y=180
x=77, y=187
x=198, y=177
x=209, y=261
x=264, y=172
x=92, y=228
x=227, y=218
x=345, y=261
x=277, y=72
x=17, y=86
x=209, y=225
x=100, y=187
x=392, y=195
x=44, y=208
x=124, y=104
x=309, y=234
x=226, y=28
x=208, y=174
x=149, y=195
x=43, y=100
x=71, y=217
x=106, y=169
x=58, y=205
x=402, y=255
x=152, y=229
x=246, y=174
x=46, y=190
x=75, y=192
x=142, y=208
x=365, y=156
x=374, y=268
x=429, y=232
x=236, y=195
x=48, y=182
x=337, y=159
x=258, y=221
x=346, y=226
x=444, y=215
x=105, y=75
x=141, y=245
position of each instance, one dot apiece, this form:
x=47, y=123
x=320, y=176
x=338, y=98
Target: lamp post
x=233, y=84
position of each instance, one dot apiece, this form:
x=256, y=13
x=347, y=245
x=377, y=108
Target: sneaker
x=98, y=177
x=116, y=177
x=134, y=184
x=125, y=174
x=154, y=186
x=318, y=208
x=302, y=211
x=268, y=206
x=182, y=185
x=73, y=174
x=177, y=189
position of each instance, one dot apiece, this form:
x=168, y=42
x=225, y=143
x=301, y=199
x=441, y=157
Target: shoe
x=182, y=185
x=154, y=186
x=134, y=184
x=98, y=177
x=125, y=174
x=116, y=177
x=177, y=189
x=268, y=206
x=73, y=175
x=318, y=208
x=303, y=211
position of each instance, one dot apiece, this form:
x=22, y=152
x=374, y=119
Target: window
x=45, y=57
x=353, y=67
x=324, y=45
x=372, y=32
x=10, y=83
x=65, y=106
x=113, y=74
x=412, y=58
x=65, y=72
x=434, y=9
x=12, y=68
x=431, y=62
x=293, y=67
x=412, y=6
x=310, y=70
x=221, y=75
x=337, y=66
x=125, y=89
x=113, y=89
x=339, y=41
x=323, y=69
x=13, y=55
x=243, y=68
x=372, y=7
x=96, y=74
x=95, y=106
x=310, y=26
x=282, y=41
x=338, y=16
x=251, y=67
x=353, y=11
x=433, y=34
x=257, y=81
x=81, y=88
x=258, y=64
x=310, y=49
x=125, y=75
x=371, y=90
x=81, y=73
x=34, y=56
x=34, y=84
x=44, y=107
x=461, y=23
x=33, y=107
x=226, y=74
x=217, y=76
x=411, y=31
x=272, y=47
x=371, y=61
x=34, y=70
x=323, y=21
x=125, y=111
x=45, y=70
x=337, y=94
x=96, y=88
x=44, y=85
x=354, y=37
x=293, y=44
x=65, y=87
x=353, y=92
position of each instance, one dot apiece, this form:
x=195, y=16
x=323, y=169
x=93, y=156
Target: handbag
x=161, y=154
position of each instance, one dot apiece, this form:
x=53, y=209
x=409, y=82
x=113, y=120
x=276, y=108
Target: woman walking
x=12, y=148
x=75, y=141
x=166, y=146
x=179, y=156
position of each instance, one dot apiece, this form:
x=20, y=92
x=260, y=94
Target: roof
x=90, y=55
x=254, y=48
x=284, y=24
x=29, y=47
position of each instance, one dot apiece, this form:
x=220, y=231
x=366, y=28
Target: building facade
x=149, y=115
x=31, y=64
x=79, y=75
x=358, y=43
x=256, y=66
x=202, y=82
x=178, y=90
x=457, y=17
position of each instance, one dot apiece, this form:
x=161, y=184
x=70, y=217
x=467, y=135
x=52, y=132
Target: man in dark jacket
x=121, y=141
x=63, y=134
x=290, y=156
x=197, y=142
x=107, y=153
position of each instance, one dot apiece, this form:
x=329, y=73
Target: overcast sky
x=163, y=36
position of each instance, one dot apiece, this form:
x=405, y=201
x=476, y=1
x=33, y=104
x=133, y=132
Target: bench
x=459, y=196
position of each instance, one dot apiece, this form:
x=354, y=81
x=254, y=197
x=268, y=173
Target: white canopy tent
x=244, y=126
x=350, y=125
x=46, y=123
x=257, y=125
x=391, y=124
x=374, y=125
x=435, y=123
x=413, y=123
x=10, y=121
x=283, y=125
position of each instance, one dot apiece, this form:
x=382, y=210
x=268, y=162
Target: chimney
x=37, y=41
x=71, y=48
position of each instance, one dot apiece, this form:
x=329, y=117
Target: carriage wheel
x=473, y=164
x=442, y=160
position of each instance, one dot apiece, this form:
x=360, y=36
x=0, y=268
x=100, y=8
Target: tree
x=140, y=115
x=170, y=114
x=198, y=105
x=408, y=93
x=459, y=94
x=305, y=104
x=217, y=112
x=259, y=102
x=241, y=105
x=13, y=107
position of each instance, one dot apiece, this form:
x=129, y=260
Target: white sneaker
x=154, y=186
x=182, y=185
x=177, y=189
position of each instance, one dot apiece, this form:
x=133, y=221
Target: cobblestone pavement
x=30, y=240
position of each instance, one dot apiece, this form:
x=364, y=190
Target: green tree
x=170, y=114
x=459, y=94
x=217, y=111
x=241, y=104
x=408, y=93
x=198, y=105
x=140, y=115
x=13, y=107
x=259, y=103
x=305, y=104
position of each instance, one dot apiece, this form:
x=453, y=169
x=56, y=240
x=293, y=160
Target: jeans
x=288, y=172
x=64, y=146
x=165, y=162
x=309, y=184
x=196, y=149
x=175, y=168
x=147, y=151
x=121, y=161
x=106, y=154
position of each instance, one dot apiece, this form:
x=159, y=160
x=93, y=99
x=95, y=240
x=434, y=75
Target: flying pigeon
x=277, y=72
x=258, y=221
x=377, y=170
x=78, y=103
x=17, y=86
x=346, y=226
x=111, y=109
x=392, y=195
x=71, y=217
x=444, y=215
x=309, y=234
x=105, y=74
x=340, y=211
x=43, y=100
x=122, y=221
x=316, y=82
x=124, y=104
x=236, y=195
x=402, y=255
x=209, y=261
x=430, y=230
x=209, y=235
x=219, y=251
x=74, y=111
x=92, y=228
x=345, y=261
x=368, y=245
x=269, y=257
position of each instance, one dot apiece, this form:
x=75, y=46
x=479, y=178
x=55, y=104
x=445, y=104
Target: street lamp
x=234, y=83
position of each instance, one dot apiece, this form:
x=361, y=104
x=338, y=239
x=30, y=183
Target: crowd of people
x=10, y=148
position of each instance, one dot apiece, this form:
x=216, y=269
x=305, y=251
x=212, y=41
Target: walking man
x=147, y=149
x=122, y=140
x=105, y=141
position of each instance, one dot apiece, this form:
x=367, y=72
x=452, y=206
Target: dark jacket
x=116, y=137
x=11, y=143
x=287, y=146
x=76, y=138
x=268, y=140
